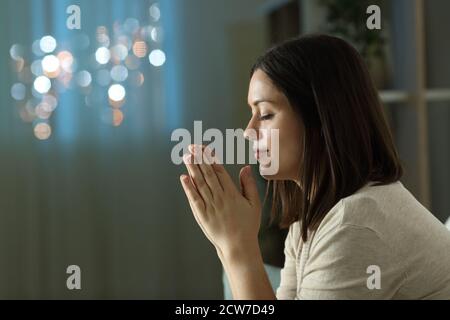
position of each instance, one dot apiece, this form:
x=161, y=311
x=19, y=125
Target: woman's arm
x=247, y=275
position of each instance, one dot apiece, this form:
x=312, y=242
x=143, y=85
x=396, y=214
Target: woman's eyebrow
x=258, y=101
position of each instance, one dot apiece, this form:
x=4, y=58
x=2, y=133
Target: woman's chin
x=267, y=172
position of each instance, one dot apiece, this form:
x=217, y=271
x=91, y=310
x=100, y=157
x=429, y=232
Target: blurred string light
x=119, y=73
x=119, y=52
x=16, y=51
x=132, y=62
x=117, y=117
x=49, y=102
x=18, y=91
x=84, y=79
x=118, y=55
x=156, y=34
x=102, y=55
x=66, y=61
x=157, y=57
x=116, y=93
x=131, y=25
x=154, y=11
x=137, y=78
x=140, y=49
x=42, y=131
x=36, y=68
x=112, y=116
x=42, y=111
x=42, y=84
x=125, y=40
x=47, y=44
x=102, y=36
x=36, y=48
x=146, y=33
x=50, y=65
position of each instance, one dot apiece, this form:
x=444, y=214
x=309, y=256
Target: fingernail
x=187, y=158
x=197, y=149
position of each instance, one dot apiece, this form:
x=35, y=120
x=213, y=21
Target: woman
x=355, y=232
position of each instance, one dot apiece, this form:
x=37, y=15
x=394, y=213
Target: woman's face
x=272, y=110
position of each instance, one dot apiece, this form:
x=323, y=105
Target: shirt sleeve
x=288, y=283
x=351, y=262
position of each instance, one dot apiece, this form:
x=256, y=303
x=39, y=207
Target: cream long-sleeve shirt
x=379, y=243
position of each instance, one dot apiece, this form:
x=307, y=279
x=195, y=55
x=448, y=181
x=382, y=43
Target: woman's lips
x=262, y=155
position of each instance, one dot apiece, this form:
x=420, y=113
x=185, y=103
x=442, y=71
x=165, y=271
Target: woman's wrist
x=243, y=253
x=246, y=273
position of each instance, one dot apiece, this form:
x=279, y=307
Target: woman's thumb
x=248, y=185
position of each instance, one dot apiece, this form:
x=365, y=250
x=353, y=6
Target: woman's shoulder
x=356, y=209
x=380, y=209
x=372, y=206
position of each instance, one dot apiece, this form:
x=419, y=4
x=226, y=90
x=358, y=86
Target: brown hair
x=346, y=143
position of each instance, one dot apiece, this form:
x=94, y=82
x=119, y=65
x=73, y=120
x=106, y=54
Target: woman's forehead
x=261, y=88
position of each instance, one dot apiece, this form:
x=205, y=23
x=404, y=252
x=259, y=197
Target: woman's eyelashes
x=266, y=117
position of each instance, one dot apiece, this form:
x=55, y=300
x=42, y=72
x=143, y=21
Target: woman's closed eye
x=266, y=117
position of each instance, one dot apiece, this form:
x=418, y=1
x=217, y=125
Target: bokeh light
x=49, y=102
x=16, y=51
x=140, y=49
x=65, y=79
x=108, y=70
x=117, y=117
x=116, y=92
x=157, y=34
x=119, y=52
x=102, y=55
x=137, y=78
x=18, y=91
x=154, y=11
x=47, y=44
x=131, y=25
x=157, y=58
x=146, y=33
x=42, y=84
x=42, y=111
x=42, y=131
x=84, y=78
x=102, y=36
x=36, y=48
x=50, y=64
x=119, y=73
x=125, y=40
x=66, y=60
x=36, y=68
x=132, y=62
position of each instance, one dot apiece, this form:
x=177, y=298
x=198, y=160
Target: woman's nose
x=251, y=133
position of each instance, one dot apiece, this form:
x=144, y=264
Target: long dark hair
x=346, y=143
